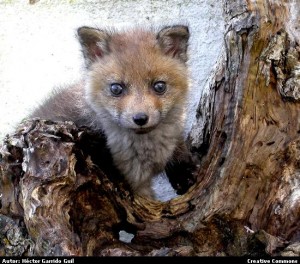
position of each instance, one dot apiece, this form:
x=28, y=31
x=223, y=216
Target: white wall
x=38, y=48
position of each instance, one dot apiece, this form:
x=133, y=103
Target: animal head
x=136, y=77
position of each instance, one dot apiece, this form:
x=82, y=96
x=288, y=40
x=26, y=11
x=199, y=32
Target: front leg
x=181, y=169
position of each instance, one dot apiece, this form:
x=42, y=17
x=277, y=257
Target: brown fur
x=136, y=59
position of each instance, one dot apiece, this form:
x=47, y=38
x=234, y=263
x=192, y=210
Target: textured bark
x=61, y=194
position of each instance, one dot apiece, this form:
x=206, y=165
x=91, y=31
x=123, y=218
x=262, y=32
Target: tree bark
x=62, y=196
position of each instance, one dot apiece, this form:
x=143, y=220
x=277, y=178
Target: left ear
x=173, y=41
x=94, y=43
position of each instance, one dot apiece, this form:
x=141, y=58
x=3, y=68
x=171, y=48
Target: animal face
x=136, y=78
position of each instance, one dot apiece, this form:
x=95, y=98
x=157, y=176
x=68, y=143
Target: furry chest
x=142, y=154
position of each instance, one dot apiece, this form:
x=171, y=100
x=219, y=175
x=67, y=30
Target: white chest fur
x=139, y=157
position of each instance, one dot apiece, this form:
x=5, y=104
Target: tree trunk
x=62, y=196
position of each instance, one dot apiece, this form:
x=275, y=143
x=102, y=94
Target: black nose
x=140, y=119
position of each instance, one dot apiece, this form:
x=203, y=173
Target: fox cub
x=134, y=90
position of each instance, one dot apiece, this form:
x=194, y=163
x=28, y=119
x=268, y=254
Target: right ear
x=174, y=41
x=94, y=43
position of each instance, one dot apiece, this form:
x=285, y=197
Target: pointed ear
x=174, y=41
x=94, y=43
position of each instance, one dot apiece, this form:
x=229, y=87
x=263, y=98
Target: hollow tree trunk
x=245, y=138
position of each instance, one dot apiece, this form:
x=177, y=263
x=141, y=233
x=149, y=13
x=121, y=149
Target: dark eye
x=116, y=89
x=160, y=87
